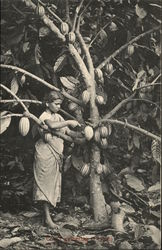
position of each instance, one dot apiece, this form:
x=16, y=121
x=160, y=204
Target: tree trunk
x=96, y=195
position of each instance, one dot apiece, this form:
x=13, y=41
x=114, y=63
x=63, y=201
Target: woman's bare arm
x=62, y=124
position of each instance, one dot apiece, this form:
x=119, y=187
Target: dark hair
x=52, y=96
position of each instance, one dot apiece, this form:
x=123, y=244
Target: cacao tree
x=103, y=56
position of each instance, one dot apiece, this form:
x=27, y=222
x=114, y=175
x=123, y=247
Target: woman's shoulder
x=59, y=117
x=45, y=115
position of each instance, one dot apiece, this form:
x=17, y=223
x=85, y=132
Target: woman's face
x=55, y=105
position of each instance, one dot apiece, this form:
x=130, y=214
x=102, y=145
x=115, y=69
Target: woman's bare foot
x=47, y=219
x=51, y=224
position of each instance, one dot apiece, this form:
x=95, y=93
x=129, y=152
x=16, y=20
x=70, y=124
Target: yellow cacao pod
x=71, y=37
x=64, y=28
x=47, y=137
x=46, y=20
x=104, y=131
x=72, y=106
x=104, y=143
x=88, y=132
x=105, y=170
x=99, y=169
x=40, y=11
x=99, y=73
x=99, y=99
x=85, y=96
x=109, y=68
x=24, y=126
x=130, y=50
x=85, y=169
x=97, y=135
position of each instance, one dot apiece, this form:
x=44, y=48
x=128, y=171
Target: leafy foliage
x=132, y=160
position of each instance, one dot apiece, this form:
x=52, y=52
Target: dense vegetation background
x=123, y=38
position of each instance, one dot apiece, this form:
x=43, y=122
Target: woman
x=48, y=157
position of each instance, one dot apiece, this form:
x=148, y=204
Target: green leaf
x=60, y=62
x=14, y=85
x=136, y=141
x=4, y=123
x=134, y=182
x=66, y=83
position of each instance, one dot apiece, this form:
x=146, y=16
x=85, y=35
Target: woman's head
x=54, y=100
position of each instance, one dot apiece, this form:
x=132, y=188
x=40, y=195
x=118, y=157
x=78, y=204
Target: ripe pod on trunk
x=72, y=106
x=104, y=131
x=85, y=96
x=106, y=171
x=109, y=68
x=71, y=37
x=99, y=99
x=24, y=126
x=47, y=137
x=85, y=169
x=99, y=73
x=46, y=20
x=88, y=132
x=99, y=169
x=130, y=50
x=104, y=143
x=40, y=11
x=64, y=28
x=97, y=135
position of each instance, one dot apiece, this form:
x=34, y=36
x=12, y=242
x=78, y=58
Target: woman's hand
x=73, y=123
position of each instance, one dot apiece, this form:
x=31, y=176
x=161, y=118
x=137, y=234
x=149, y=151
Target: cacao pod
x=88, y=132
x=97, y=135
x=71, y=37
x=46, y=20
x=85, y=169
x=130, y=50
x=104, y=131
x=99, y=73
x=72, y=106
x=47, y=137
x=104, y=143
x=24, y=126
x=105, y=170
x=64, y=28
x=99, y=169
x=40, y=11
x=109, y=68
x=85, y=96
x=99, y=99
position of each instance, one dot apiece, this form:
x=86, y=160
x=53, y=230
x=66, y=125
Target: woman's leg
x=48, y=219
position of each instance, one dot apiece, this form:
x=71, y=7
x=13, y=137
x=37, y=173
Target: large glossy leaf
x=4, y=122
x=134, y=182
x=14, y=85
x=66, y=83
x=60, y=62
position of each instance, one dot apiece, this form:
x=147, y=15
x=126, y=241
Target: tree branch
x=118, y=51
x=46, y=21
x=133, y=127
x=50, y=11
x=37, y=102
x=118, y=106
x=76, y=14
x=81, y=65
x=45, y=83
x=15, y=96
